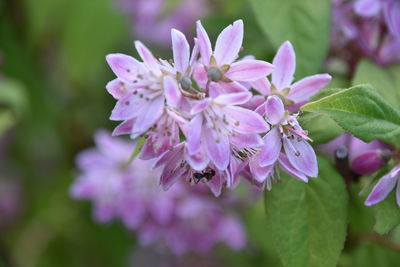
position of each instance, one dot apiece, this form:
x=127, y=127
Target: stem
x=381, y=240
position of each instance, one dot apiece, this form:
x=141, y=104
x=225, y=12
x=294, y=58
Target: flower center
x=214, y=74
x=185, y=82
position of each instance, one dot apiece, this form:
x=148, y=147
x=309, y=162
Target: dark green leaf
x=308, y=221
x=361, y=111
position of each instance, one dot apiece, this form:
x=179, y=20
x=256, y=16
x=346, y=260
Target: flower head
x=285, y=145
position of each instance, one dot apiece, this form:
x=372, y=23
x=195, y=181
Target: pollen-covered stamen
x=214, y=74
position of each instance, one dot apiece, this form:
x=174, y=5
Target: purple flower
x=285, y=145
x=366, y=28
x=294, y=94
x=220, y=65
x=151, y=20
x=385, y=185
x=363, y=158
x=182, y=219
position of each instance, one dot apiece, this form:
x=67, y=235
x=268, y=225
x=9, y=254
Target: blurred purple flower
x=152, y=19
x=364, y=158
x=10, y=201
x=183, y=219
x=369, y=28
x=385, y=185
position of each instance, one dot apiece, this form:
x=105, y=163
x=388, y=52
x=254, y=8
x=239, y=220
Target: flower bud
x=367, y=163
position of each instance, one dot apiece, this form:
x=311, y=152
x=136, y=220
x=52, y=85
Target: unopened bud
x=367, y=163
x=214, y=74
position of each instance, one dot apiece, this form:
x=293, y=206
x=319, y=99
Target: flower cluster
x=368, y=28
x=210, y=116
x=183, y=219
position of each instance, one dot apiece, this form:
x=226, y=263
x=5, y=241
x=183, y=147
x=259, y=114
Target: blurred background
x=52, y=99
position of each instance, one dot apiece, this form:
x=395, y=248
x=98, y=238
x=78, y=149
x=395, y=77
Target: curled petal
x=229, y=43
x=260, y=174
x=301, y=156
x=382, y=189
x=247, y=121
x=287, y=167
x=274, y=109
x=204, y=44
x=124, y=128
x=249, y=70
x=171, y=90
x=285, y=65
x=116, y=88
x=271, y=149
x=367, y=163
x=307, y=87
x=233, y=99
x=148, y=58
x=125, y=67
x=181, y=51
x=215, y=184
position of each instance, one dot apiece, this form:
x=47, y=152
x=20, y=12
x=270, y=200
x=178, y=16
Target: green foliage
x=387, y=214
x=308, y=221
x=304, y=23
x=361, y=111
x=12, y=103
x=385, y=80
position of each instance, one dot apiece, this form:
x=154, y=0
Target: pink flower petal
x=263, y=86
x=218, y=150
x=247, y=121
x=171, y=91
x=233, y=99
x=148, y=58
x=246, y=140
x=215, y=184
x=307, y=87
x=116, y=88
x=229, y=43
x=285, y=65
x=181, y=51
x=301, y=156
x=367, y=8
x=274, y=110
x=287, y=167
x=367, y=163
x=271, y=149
x=230, y=87
x=382, y=189
x=249, y=70
x=124, y=128
x=204, y=44
x=126, y=108
x=259, y=173
x=198, y=161
x=149, y=115
x=194, y=135
x=125, y=67
x=200, y=105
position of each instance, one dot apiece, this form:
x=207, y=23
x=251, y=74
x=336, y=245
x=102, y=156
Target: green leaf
x=385, y=80
x=304, y=23
x=361, y=111
x=387, y=215
x=308, y=221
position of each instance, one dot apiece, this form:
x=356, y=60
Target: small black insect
x=208, y=175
